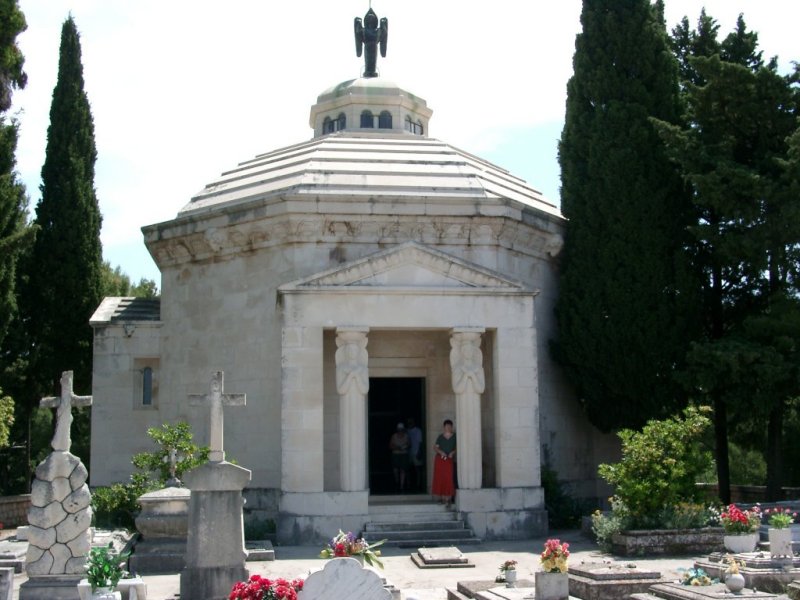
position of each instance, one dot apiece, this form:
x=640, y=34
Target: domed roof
x=386, y=170
x=367, y=86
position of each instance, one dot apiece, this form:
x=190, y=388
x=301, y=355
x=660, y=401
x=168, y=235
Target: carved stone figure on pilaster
x=466, y=363
x=352, y=384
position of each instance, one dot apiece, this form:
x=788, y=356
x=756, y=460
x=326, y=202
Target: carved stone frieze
x=226, y=241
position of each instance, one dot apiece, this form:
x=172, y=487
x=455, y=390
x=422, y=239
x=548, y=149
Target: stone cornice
x=226, y=237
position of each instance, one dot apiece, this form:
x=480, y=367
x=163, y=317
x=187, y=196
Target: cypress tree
x=733, y=151
x=625, y=289
x=65, y=276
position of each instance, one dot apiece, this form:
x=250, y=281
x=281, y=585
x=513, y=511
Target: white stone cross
x=64, y=403
x=216, y=399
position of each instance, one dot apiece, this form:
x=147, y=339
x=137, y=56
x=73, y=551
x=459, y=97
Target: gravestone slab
x=344, y=578
x=12, y=554
x=760, y=571
x=505, y=593
x=440, y=558
x=676, y=591
x=259, y=550
x=609, y=581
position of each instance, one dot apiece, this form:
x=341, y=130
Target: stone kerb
x=344, y=578
x=667, y=541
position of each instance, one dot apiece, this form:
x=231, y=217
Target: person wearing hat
x=399, y=444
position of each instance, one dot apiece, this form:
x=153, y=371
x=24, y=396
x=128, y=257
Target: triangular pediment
x=409, y=265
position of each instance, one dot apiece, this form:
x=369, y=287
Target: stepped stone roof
x=368, y=167
x=119, y=309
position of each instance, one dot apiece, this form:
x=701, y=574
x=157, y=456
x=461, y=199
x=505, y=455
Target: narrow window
x=147, y=386
x=409, y=124
x=367, y=120
x=327, y=125
x=341, y=122
x=385, y=120
x=419, y=129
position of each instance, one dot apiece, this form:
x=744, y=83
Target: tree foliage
x=117, y=283
x=660, y=464
x=733, y=153
x=6, y=418
x=624, y=308
x=15, y=232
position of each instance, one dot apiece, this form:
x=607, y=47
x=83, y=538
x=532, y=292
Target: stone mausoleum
x=347, y=283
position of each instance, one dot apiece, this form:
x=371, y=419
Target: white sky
x=183, y=89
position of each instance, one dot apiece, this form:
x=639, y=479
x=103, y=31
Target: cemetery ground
x=425, y=584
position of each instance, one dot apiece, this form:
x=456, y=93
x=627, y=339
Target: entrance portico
x=469, y=331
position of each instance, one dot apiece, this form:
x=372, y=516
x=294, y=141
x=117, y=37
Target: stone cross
x=216, y=399
x=64, y=403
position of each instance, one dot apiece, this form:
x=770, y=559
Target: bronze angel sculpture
x=369, y=35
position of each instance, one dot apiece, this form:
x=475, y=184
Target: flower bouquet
x=780, y=518
x=697, y=577
x=509, y=565
x=347, y=544
x=261, y=588
x=555, y=555
x=737, y=521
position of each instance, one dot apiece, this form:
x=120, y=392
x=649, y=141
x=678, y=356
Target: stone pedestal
x=164, y=525
x=215, y=554
x=50, y=587
x=6, y=583
x=551, y=586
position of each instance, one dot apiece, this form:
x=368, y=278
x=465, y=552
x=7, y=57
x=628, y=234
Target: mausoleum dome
x=369, y=103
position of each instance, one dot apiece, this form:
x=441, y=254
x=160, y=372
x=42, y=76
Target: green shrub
x=660, y=465
x=117, y=505
x=604, y=526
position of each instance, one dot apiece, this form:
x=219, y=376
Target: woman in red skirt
x=443, y=476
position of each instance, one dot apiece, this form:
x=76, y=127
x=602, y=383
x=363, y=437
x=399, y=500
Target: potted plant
x=552, y=583
x=345, y=545
x=734, y=580
x=741, y=528
x=104, y=569
x=780, y=535
x=508, y=572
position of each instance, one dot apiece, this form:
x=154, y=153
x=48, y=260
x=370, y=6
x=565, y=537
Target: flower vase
x=745, y=542
x=734, y=582
x=551, y=586
x=104, y=593
x=780, y=542
x=511, y=578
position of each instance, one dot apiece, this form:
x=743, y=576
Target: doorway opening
x=393, y=400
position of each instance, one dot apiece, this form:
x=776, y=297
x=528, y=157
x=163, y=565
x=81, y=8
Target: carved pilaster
x=466, y=363
x=352, y=384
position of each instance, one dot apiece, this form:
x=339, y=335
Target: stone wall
x=14, y=510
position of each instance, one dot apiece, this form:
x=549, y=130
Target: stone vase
x=745, y=542
x=551, y=586
x=511, y=578
x=734, y=582
x=780, y=542
x=104, y=593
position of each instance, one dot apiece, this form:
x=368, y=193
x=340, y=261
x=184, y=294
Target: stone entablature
x=198, y=242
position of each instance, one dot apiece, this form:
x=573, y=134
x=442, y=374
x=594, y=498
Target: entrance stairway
x=415, y=521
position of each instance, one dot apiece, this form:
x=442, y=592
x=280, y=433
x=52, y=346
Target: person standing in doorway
x=415, y=453
x=443, y=480
x=399, y=444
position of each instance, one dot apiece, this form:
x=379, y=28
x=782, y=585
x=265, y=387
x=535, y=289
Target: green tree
x=117, y=283
x=6, y=418
x=66, y=260
x=14, y=229
x=732, y=151
x=624, y=308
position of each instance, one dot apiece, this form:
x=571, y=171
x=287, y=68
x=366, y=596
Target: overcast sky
x=182, y=90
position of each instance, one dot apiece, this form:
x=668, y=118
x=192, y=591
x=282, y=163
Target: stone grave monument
x=60, y=513
x=6, y=583
x=344, y=578
x=164, y=526
x=440, y=558
x=215, y=553
x=610, y=581
x=760, y=570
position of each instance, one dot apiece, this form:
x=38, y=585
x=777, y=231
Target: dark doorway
x=393, y=400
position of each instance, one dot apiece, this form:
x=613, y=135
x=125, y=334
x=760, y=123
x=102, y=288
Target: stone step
x=427, y=525
x=414, y=517
x=425, y=542
x=431, y=535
